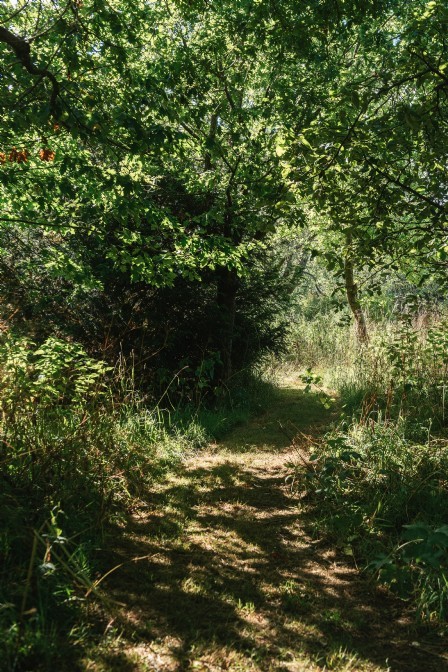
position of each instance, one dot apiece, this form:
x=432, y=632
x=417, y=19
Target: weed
x=341, y=660
x=383, y=498
x=79, y=448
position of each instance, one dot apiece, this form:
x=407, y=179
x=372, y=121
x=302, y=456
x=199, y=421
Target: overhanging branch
x=22, y=50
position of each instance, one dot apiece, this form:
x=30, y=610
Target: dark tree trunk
x=227, y=290
x=228, y=281
x=208, y=165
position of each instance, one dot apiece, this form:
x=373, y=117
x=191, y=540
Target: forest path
x=232, y=580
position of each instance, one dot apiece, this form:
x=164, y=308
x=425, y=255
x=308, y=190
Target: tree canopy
x=166, y=142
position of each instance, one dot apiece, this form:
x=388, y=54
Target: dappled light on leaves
x=223, y=347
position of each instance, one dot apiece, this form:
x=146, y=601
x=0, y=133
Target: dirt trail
x=233, y=581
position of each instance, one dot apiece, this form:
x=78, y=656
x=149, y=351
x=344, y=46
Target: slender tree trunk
x=351, y=289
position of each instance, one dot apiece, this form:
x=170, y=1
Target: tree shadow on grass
x=232, y=581
x=227, y=577
x=289, y=411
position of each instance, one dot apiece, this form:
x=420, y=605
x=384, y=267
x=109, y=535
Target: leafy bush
x=55, y=373
x=384, y=498
x=168, y=332
x=73, y=456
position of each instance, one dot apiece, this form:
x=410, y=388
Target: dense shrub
x=384, y=498
x=378, y=484
x=50, y=289
x=73, y=456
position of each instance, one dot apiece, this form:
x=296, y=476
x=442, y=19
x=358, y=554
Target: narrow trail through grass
x=233, y=577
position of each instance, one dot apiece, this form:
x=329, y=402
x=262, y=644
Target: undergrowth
x=78, y=449
x=378, y=483
x=383, y=498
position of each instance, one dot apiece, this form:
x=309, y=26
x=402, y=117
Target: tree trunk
x=208, y=165
x=351, y=289
x=228, y=283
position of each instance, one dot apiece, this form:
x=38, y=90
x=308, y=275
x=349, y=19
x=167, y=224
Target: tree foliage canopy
x=164, y=142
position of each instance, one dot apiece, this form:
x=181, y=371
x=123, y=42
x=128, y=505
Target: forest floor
x=229, y=574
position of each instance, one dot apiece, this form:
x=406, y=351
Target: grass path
x=232, y=578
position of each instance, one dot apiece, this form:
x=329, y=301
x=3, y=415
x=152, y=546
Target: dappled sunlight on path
x=231, y=579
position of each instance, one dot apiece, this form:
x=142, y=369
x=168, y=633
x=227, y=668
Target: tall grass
x=321, y=342
x=379, y=481
x=402, y=371
x=78, y=446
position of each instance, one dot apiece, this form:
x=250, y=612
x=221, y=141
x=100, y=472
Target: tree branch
x=404, y=186
x=22, y=50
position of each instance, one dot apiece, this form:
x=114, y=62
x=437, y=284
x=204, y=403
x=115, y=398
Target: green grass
x=379, y=482
x=75, y=462
x=381, y=497
x=229, y=582
x=248, y=396
x=76, y=457
x=290, y=410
